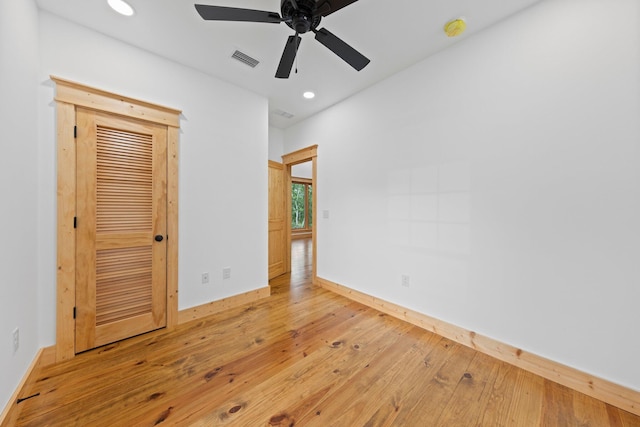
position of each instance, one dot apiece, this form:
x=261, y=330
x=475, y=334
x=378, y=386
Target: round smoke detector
x=455, y=27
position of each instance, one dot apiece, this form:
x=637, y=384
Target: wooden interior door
x=121, y=241
x=277, y=217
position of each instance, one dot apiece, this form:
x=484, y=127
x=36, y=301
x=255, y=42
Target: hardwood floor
x=303, y=357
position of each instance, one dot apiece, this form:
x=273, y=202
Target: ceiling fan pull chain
x=297, y=45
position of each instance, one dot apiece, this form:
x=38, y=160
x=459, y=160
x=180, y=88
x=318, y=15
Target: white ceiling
x=393, y=34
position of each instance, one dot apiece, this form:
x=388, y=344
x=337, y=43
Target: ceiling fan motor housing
x=301, y=18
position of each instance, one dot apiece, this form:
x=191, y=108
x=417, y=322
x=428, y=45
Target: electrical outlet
x=205, y=278
x=406, y=280
x=226, y=273
x=16, y=339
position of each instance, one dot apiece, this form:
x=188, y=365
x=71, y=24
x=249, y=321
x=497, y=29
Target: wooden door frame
x=301, y=156
x=276, y=170
x=70, y=95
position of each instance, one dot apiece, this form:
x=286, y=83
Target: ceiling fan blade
x=220, y=13
x=327, y=7
x=343, y=50
x=288, y=56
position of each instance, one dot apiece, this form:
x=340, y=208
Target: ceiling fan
x=302, y=16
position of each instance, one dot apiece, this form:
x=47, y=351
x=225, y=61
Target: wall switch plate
x=16, y=339
x=405, y=281
x=205, y=278
x=226, y=273
x=325, y=214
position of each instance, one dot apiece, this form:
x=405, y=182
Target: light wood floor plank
x=472, y=393
x=496, y=410
x=363, y=397
x=289, y=391
x=557, y=407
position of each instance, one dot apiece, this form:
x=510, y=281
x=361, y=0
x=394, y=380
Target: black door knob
x=158, y=237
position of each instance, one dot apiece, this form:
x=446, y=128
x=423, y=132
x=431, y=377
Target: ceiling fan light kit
x=302, y=16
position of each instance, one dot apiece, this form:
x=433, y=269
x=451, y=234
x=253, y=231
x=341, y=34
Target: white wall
x=18, y=190
x=223, y=160
x=276, y=150
x=501, y=175
x=276, y=144
x=302, y=170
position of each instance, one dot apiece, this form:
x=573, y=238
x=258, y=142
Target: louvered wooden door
x=121, y=218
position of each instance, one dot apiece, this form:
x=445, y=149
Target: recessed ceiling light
x=309, y=95
x=121, y=7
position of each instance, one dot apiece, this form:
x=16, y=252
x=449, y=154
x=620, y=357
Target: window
x=301, y=205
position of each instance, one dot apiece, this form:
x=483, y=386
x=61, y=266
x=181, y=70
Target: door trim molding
x=301, y=156
x=101, y=100
x=276, y=193
x=68, y=96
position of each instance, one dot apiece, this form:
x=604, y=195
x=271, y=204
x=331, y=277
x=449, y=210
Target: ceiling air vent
x=245, y=59
x=283, y=114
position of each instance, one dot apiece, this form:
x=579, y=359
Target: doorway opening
x=301, y=166
x=301, y=201
x=288, y=212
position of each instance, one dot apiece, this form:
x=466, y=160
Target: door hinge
x=74, y=312
x=75, y=222
x=75, y=131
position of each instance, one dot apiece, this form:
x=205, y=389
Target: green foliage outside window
x=301, y=206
